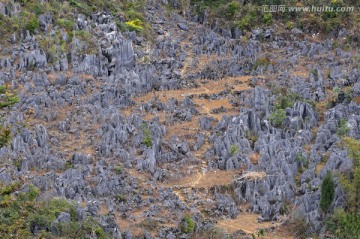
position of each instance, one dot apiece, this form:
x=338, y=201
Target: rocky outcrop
x=83, y=128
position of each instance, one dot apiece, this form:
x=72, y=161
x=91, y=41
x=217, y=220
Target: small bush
x=244, y=23
x=74, y=3
x=147, y=139
x=69, y=165
x=249, y=17
x=118, y=170
x=343, y=129
x=267, y=18
x=32, y=193
x=149, y=224
x=122, y=26
x=135, y=25
x=120, y=198
x=6, y=190
x=100, y=233
x=17, y=162
x=314, y=72
x=32, y=24
x=277, y=117
x=231, y=9
x=351, y=181
x=285, y=207
x=298, y=225
x=285, y=101
x=67, y=24
x=233, y=149
x=261, y=232
x=302, y=162
x=327, y=192
x=38, y=9
x=344, y=225
x=188, y=225
x=290, y=25
x=263, y=61
x=83, y=35
x=5, y=136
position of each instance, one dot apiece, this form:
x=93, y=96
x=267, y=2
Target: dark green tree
x=327, y=192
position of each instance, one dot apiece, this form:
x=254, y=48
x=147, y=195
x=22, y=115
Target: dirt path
x=246, y=222
x=197, y=180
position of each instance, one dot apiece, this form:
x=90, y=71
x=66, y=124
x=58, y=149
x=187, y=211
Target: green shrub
x=298, y=225
x=147, y=139
x=69, y=164
x=248, y=17
x=118, y=170
x=38, y=221
x=302, y=161
x=263, y=61
x=233, y=149
x=277, y=117
x=331, y=25
x=351, y=182
x=32, y=24
x=120, y=198
x=135, y=25
x=32, y=193
x=17, y=162
x=2, y=90
x=288, y=100
x=290, y=25
x=314, y=72
x=149, y=224
x=261, y=232
x=54, y=207
x=134, y=10
x=100, y=233
x=122, y=26
x=231, y=9
x=74, y=3
x=344, y=225
x=345, y=222
x=327, y=192
x=267, y=18
x=188, y=225
x=5, y=136
x=38, y=9
x=8, y=100
x=84, y=35
x=8, y=189
x=64, y=23
x=244, y=23
x=343, y=129
x=285, y=207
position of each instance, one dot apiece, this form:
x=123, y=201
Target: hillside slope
x=157, y=119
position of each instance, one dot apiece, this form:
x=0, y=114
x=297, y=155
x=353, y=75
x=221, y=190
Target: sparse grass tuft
x=264, y=61
x=118, y=170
